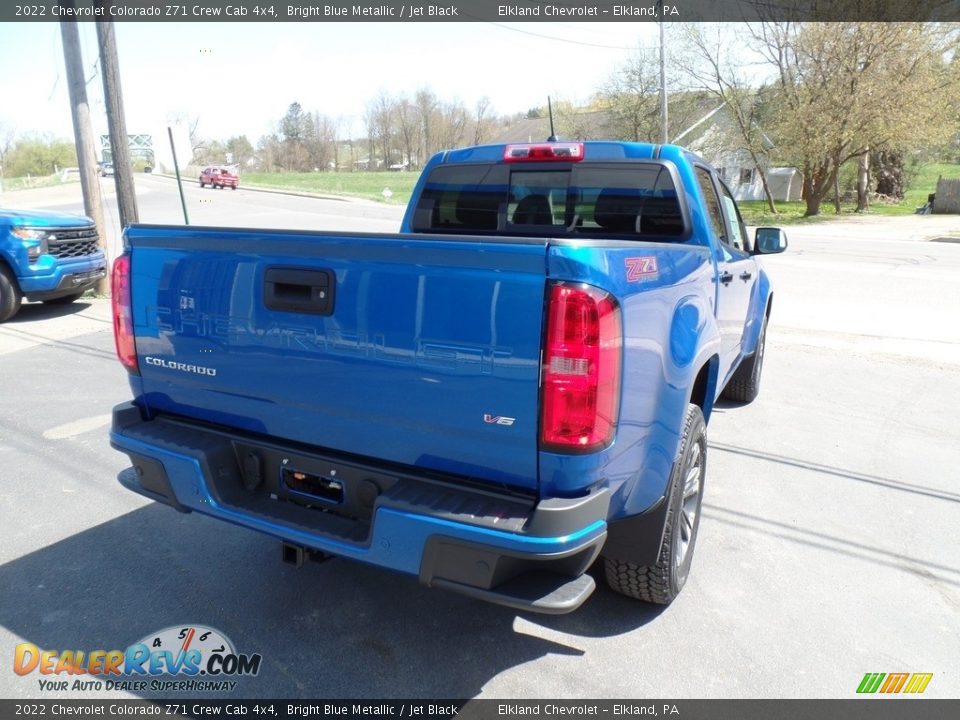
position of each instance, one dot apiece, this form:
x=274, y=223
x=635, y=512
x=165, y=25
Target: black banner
x=875, y=708
x=479, y=10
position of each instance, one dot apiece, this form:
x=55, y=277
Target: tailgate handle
x=299, y=290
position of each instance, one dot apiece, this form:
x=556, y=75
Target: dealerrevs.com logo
x=177, y=659
x=894, y=683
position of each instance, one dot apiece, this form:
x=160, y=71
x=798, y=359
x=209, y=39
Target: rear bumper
x=505, y=549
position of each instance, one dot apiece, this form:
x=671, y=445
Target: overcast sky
x=240, y=78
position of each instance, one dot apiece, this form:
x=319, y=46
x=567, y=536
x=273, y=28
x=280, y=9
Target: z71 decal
x=641, y=268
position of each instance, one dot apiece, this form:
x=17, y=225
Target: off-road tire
x=661, y=583
x=65, y=300
x=744, y=386
x=10, y=295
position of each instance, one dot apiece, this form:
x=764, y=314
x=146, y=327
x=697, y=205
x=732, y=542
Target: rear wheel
x=65, y=300
x=662, y=582
x=10, y=295
x=744, y=386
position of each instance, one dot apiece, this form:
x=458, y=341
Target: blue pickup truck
x=47, y=256
x=511, y=389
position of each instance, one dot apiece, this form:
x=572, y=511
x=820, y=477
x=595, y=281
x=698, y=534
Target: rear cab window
x=635, y=201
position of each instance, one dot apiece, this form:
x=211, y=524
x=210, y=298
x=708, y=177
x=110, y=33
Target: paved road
x=159, y=202
x=828, y=547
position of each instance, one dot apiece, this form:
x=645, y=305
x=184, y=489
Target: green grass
x=367, y=185
x=756, y=212
x=925, y=182
x=28, y=183
x=370, y=186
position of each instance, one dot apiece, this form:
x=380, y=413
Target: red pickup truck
x=219, y=177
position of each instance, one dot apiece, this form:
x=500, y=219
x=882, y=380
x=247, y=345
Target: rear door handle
x=726, y=278
x=299, y=290
x=745, y=275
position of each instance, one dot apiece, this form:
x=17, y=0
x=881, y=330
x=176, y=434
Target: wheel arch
x=7, y=265
x=703, y=392
x=9, y=302
x=760, y=312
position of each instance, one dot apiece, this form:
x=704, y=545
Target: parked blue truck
x=48, y=256
x=513, y=387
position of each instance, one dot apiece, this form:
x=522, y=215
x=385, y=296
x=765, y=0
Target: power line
x=95, y=69
x=53, y=90
x=567, y=40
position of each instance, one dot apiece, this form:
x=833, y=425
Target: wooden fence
x=948, y=197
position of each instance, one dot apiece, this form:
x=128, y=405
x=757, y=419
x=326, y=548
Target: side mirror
x=769, y=241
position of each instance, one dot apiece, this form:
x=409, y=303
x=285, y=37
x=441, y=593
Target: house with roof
x=578, y=125
x=716, y=138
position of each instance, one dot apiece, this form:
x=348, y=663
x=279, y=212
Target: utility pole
x=176, y=167
x=664, y=137
x=116, y=122
x=83, y=133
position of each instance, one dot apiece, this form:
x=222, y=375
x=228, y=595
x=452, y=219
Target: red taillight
x=581, y=373
x=123, y=314
x=570, y=152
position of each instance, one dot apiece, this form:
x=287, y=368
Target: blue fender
x=759, y=308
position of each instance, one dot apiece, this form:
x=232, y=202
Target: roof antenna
x=553, y=135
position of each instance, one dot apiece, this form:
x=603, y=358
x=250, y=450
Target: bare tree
x=628, y=103
x=321, y=141
x=270, y=152
x=370, y=123
x=427, y=107
x=451, y=129
x=408, y=124
x=379, y=119
x=7, y=136
x=192, y=123
x=481, y=120
x=631, y=97
x=712, y=64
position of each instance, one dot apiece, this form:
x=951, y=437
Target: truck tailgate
x=418, y=351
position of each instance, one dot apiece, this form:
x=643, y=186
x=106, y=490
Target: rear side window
x=713, y=203
x=629, y=201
